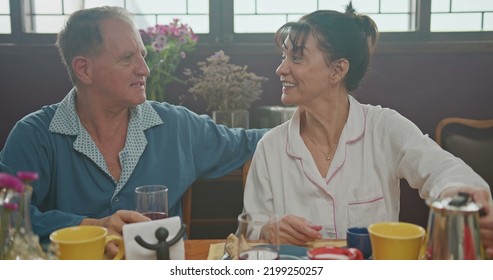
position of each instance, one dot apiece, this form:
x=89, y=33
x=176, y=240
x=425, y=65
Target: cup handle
x=119, y=241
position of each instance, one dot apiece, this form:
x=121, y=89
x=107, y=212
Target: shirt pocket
x=365, y=212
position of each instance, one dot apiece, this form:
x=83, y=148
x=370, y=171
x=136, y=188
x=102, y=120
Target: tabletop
x=198, y=249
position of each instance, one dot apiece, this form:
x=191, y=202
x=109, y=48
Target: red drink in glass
x=155, y=215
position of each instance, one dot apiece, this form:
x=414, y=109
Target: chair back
x=471, y=140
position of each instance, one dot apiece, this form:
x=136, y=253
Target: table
x=198, y=249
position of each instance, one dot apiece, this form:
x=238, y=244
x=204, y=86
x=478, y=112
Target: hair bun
x=350, y=10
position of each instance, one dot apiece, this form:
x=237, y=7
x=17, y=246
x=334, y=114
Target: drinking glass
x=261, y=232
x=152, y=201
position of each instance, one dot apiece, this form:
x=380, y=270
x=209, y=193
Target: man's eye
x=296, y=58
x=283, y=57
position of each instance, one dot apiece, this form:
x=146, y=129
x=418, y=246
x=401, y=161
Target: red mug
x=334, y=253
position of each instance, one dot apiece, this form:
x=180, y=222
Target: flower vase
x=17, y=240
x=239, y=118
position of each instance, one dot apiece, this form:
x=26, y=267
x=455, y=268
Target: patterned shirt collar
x=66, y=121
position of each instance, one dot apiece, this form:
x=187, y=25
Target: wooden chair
x=186, y=209
x=186, y=202
x=244, y=171
x=471, y=140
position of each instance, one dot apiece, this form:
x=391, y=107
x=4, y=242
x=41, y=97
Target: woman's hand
x=293, y=230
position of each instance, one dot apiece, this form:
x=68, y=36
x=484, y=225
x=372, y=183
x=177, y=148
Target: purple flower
x=11, y=182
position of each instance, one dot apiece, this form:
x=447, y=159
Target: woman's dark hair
x=340, y=35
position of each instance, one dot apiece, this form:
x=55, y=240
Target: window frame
x=221, y=33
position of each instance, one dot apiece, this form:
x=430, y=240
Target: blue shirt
x=166, y=144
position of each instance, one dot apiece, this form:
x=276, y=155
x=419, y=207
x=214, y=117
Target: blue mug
x=359, y=238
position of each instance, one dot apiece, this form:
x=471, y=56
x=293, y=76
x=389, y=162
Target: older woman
x=337, y=163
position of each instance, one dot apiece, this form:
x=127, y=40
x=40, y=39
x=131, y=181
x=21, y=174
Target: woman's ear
x=340, y=67
x=81, y=67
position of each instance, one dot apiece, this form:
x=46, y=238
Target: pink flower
x=27, y=176
x=11, y=206
x=11, y=182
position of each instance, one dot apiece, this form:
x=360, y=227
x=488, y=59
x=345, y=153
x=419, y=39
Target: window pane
x=258, y=24
x=488, y=22
x=5, y=17
x=364, y=6
x=199, y=24
x=393, y=23
x=285, y=6
x=4, y=7
x=251, y=16
x=99, y=3
x=47, y=7
x=455, y=22
x=198, y=7
x=460, y=15
x=146, y=12
x=49, y=24
x=5, y=25
x=244, y=6
x=440, y=6
x=157, y=7
x=472, y=5
x=395, y=6
x=72, y=6
x=337, y=5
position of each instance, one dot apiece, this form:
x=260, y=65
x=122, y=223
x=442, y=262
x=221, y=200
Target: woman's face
x=305, y=76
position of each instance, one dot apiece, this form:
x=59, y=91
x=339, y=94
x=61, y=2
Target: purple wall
x=424, y=86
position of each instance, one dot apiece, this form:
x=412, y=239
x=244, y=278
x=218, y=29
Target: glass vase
x=239, y=118
x=17, y=240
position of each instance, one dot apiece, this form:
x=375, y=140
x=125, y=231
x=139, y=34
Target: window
x=254, y=21
x=265, y=16
x=461, y=15
x=48, y=16
x=5, y=17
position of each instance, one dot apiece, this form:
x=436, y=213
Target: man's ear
x=81, y=66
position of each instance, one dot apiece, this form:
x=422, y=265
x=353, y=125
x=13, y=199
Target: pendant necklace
x=327, y=155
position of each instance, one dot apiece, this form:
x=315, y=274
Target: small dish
x=286, y=252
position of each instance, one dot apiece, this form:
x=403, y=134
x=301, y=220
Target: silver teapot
x=453, y=229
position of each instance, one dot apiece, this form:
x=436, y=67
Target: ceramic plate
x=292, y=252
x=286, y=252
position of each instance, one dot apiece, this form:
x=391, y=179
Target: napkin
x=133, y=251
x=216, y=251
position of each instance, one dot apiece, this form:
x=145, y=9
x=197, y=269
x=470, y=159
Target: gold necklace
x=327, y=155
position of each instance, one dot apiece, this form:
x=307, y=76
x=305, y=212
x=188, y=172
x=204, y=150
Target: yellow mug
x=396, y=240
x=84, y=243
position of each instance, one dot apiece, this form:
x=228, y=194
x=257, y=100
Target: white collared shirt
x=377, y=148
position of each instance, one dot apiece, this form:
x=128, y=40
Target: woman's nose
x=282, y=69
